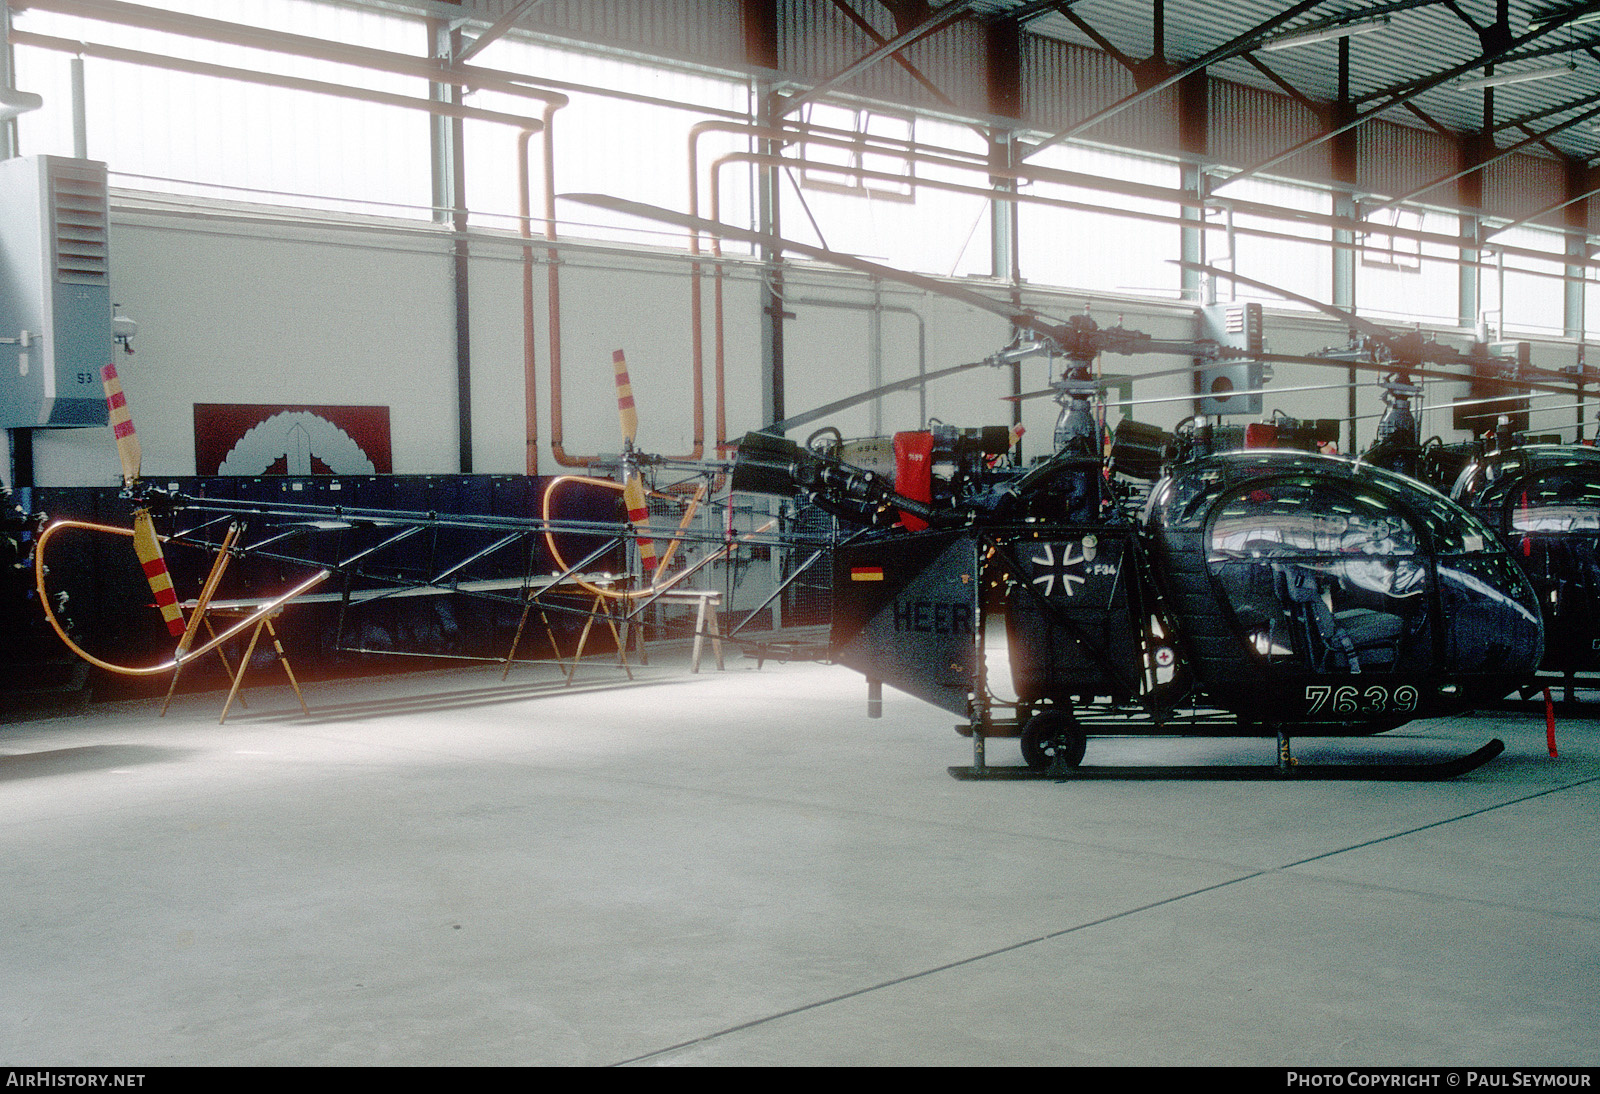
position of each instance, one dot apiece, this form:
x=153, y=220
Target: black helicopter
x=1261, y=592
x=1258, y=593
x=1544, y=502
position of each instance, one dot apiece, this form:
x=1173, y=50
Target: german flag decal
x=866, y=573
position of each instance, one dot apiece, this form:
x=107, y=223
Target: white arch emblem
x=296, y=436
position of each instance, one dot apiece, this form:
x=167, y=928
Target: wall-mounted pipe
x=878, y=307
x=953, y=158
x=401, y=64
x=552, y=277
x=294, y=45
x=1231, y=228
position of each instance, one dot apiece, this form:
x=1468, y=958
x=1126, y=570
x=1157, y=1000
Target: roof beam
x=900, y=58
x=1400, y=98
x=936, y=22
x=1320, y=109
x=1242, y=44
x=1535, y=115
x=497, y=31
x=1504, y=153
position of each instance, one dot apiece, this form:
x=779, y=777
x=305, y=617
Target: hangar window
x=1387, y=250
x=859, y=152
x=164, y=115
x=1521, y=292
x=1421, y=282
x=633, y=142
x=1285, y=251
x=1115, y=237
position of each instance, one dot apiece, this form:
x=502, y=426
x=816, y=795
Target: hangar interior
x=398, y=229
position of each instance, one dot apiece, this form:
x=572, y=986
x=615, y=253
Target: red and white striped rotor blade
x=633, y=485
x=147, y=545
x=121, y=425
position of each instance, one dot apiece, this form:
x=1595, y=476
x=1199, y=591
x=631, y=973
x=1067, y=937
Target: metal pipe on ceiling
x=268, y=79
x=294, y=45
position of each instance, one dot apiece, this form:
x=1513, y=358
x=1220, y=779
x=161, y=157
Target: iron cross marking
x=1048, y=570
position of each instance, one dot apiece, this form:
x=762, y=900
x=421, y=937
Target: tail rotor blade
x=633, y=484
x=625, y=407
x=147, y=545
x=121, y=425
x=639, y=514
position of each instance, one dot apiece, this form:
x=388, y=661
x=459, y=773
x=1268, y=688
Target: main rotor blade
x=1115, y=379
x=1242, y=392
x=1417, y=372
x=1494, y=401
x=1383, y=334
x=867, y=396
x=1018, y=316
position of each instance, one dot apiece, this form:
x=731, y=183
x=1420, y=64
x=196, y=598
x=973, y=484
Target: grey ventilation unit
x=1237, y=327
x=55, y=292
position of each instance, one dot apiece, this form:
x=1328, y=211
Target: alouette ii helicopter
x=1260, y=592
x=1544, y=502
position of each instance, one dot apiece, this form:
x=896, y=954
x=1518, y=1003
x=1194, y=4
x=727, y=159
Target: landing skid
x=1397, y=772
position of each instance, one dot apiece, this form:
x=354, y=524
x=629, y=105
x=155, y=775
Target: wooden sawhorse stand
x=600, y=605
x=707, y=603
x=204, y=608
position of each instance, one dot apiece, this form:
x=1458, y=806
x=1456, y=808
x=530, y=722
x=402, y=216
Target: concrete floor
x=741, y=868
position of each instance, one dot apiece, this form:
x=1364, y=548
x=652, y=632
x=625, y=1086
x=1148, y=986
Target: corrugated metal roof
x=1079, y=56
x=1422, y=40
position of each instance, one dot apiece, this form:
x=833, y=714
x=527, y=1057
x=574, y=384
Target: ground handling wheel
x=1052, y=739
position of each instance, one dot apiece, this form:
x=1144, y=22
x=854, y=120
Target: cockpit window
x=1557, y=503
x=1324, y=576
x=1291, y=519
x=1448, y=528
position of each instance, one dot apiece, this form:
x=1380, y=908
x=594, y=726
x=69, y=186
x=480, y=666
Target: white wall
x=240, y=312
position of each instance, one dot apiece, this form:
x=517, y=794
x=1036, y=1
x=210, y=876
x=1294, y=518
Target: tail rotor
x=633, y=494
x=146, y=543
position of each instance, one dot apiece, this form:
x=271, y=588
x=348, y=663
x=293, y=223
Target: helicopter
x=1258, y=593
x=1263, y=592
x=1544, y=501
